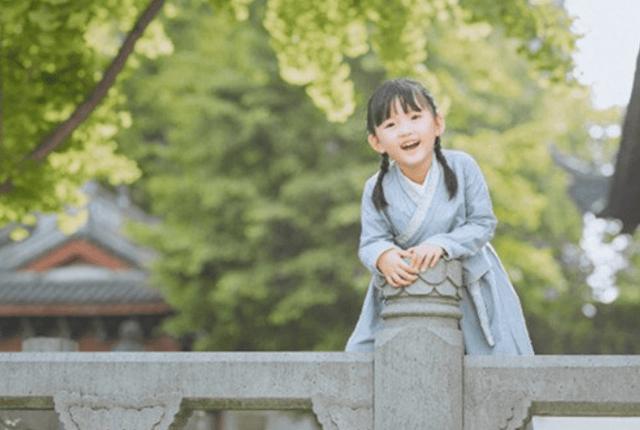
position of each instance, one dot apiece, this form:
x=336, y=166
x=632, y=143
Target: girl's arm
x=376, y=236
x=466, y=240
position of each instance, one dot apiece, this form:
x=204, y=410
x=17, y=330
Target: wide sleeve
x=479, y=227
x=376, y=235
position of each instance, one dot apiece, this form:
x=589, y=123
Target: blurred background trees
x=259, y=193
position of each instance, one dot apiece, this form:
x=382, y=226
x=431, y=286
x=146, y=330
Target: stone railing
x=417, y=378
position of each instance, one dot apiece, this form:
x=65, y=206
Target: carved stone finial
x=445, y=280
x=440, y=285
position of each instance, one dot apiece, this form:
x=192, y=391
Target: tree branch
x=2, y=61
x=623, y=202
x=64, y=130
x=82, y=112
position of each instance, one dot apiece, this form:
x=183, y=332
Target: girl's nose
x=404, y=129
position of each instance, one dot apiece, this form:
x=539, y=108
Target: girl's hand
x=424, y=256
x=395, y=269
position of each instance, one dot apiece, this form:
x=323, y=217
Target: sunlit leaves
x=539, y=27
x=313, y=39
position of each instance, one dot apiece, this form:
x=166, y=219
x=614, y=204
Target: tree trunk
x=624, y=194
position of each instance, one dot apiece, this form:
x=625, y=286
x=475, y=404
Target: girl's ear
x=440, y=124
x=375, y=143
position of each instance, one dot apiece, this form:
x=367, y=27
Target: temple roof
x=108, y=214
x=95, y=271
x=76, y=290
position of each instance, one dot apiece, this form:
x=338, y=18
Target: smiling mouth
x=410, y=145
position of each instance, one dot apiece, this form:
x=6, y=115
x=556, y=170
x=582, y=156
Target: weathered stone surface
x=418, y=355
x=286, y=380
x=418, y=379
x=504, y=392
x=336, y=414
x=85, y=412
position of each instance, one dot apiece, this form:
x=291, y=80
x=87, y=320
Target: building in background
x=91, y=286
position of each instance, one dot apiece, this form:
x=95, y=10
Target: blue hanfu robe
x=462, y=227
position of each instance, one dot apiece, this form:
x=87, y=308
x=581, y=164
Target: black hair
x=412, y=97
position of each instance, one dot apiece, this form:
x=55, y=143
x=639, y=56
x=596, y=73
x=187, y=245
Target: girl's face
x=408, y=138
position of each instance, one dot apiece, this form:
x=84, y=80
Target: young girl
x=429, y=204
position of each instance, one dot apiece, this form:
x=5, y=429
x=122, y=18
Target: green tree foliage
x=313, y=39
x=52, y=54
x=260, y=195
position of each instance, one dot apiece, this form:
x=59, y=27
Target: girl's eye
x=416, y=116
x=389, y=124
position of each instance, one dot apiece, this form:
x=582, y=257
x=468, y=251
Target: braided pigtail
x=378, y=194
x=449, y=176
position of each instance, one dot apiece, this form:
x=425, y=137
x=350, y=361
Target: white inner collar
x=418, y=188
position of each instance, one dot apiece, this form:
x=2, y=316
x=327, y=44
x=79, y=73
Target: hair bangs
x=383, y=102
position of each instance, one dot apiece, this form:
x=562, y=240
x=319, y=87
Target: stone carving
x=445, y=279
x=83, y=412
x=519, y=414
x=336, y=414
x=506, y=410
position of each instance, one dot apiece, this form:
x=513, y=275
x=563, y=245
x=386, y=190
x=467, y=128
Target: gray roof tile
x=54, y=287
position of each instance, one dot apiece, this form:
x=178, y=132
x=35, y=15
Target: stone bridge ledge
x=279, y=380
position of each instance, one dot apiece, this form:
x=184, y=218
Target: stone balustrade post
x=419, y=354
